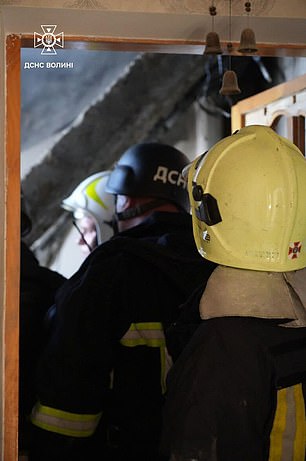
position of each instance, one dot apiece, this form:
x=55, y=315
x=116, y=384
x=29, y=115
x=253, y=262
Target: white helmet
x=90, y=199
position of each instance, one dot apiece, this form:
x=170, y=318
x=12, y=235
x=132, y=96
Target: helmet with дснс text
x=151, y=170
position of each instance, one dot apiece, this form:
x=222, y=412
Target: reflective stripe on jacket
x=64, y=422
x=288, y=435
x=150, y=334
x=107, y=350
x=248, y=371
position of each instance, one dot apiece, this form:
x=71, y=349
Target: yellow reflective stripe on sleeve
x=300, y=438
x=279, y=424
x=163, y=369
x=166, y=364
x=64, y=422
x=287, y=439
x=149, y=334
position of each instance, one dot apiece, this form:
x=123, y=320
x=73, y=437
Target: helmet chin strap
x=82, y=235
x=138, y=210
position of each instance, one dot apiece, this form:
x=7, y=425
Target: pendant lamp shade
x=212, y=44
x=229, y=84
x=247, y=42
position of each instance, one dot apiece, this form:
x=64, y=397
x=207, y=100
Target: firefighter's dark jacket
x=236, y=390
x=38, y=285
x=107, y=354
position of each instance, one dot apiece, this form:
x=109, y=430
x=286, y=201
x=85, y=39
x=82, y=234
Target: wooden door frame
x=10, y=323
x=10, y=352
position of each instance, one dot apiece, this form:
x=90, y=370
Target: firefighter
x=102, y=377
x=38, y=285
x=235, y=391
x=93, y=209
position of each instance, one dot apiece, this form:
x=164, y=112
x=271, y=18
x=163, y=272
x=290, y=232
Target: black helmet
x=151, y=170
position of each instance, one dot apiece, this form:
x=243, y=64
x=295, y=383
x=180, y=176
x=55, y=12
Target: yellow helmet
x=248, y=201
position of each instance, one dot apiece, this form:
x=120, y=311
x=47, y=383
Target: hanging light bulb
x=212, y=38
x=247, y=39
x=229, y=80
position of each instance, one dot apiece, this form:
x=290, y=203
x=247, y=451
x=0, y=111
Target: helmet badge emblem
x=294, y=250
